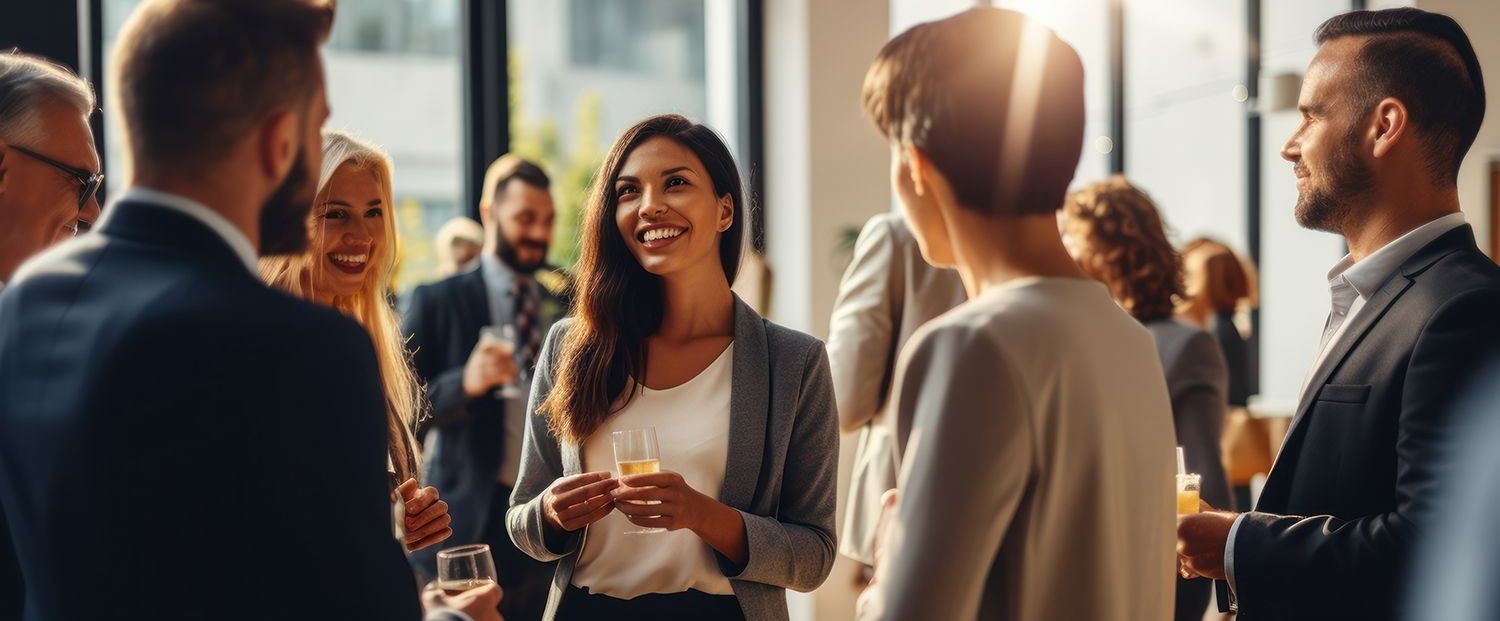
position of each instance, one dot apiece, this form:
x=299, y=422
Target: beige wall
x=825, y=165
x=826, y=169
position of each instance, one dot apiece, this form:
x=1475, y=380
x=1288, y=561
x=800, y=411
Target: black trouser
x=580, y=605
x=525, y=580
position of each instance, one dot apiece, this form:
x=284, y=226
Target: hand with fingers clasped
x=427, y=519
x=577, y=501
x=661, y=500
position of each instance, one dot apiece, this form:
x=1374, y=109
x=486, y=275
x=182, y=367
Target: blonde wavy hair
x=370, y=306
x=1118, y=238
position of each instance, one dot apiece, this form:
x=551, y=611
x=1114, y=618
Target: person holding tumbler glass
x=743, y=409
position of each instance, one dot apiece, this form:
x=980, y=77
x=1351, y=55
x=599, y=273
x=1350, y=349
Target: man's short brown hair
x=995, y=101
x=508, y=168
x=191, y=76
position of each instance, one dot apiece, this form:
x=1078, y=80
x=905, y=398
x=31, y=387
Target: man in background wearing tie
x=1390, y=105
x=477, y=392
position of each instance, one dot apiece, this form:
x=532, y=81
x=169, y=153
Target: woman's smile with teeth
x=658, y=234
x=353, y=264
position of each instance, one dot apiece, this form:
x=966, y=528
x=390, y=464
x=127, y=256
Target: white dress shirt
x=1350, y=285
x=221, y=226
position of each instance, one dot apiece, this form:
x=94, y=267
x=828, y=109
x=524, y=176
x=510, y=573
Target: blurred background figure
x=1117, y=236
x=49, y=169
x=887, y=292
x=477, y=387
x=1221, y=291
x=1458, y=570
x=459, y=243
x=350, y=256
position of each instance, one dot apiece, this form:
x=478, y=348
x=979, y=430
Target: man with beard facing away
x=478, y=387
x=178, y=441
x=1390, y=105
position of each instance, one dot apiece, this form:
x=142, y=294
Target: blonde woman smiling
x=348, y=265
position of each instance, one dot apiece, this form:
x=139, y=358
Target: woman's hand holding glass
x=673, y=504
x=579, y=500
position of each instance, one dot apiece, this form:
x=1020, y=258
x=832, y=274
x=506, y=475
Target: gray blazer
x=781, y=474
x=887, y=293
x=1198, y=381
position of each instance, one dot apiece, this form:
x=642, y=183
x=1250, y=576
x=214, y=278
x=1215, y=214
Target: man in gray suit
x=887, y=293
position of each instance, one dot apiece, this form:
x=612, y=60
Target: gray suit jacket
x=781, y=474
x=887, y=293
x=1197, y=379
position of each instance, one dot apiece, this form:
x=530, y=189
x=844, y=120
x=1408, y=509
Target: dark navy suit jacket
x=178, y=441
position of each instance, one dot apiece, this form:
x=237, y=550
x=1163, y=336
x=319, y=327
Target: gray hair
x=27, y=83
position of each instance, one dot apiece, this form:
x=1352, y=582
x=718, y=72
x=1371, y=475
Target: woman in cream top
x=692, y=429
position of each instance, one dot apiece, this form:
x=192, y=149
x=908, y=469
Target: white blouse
x=692, y=428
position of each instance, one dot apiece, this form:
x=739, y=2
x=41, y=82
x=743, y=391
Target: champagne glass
x=465, y=567
x=505, y=337
x=636, y=452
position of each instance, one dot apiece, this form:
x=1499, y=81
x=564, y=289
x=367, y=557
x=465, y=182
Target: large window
x=1185, y=106
x=394, y=77
x=581, y=71
x=1084, y=25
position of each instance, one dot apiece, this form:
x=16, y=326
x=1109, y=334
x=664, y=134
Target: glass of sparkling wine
x=1187, y=493
x=465, y=567
x=505, y=337
x=636, y=452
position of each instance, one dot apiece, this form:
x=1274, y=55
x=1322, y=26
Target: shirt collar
x=217, y=223
x=497, y=275
x=1368, y=276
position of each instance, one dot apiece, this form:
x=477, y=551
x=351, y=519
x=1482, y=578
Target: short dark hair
x=1426, y=61
x=950, y=88
x=191, y=76
x=509, y=168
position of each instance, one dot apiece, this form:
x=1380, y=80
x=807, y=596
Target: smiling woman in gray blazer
x=744, y=408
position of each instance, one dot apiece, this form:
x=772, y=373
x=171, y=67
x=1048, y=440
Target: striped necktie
x=527, y=339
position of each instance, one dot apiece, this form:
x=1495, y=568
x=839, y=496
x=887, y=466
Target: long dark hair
x=619, y=303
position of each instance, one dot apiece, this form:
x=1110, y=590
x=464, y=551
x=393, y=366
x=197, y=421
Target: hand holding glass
x=505, y=338
x=465, y=567
x=636, y=452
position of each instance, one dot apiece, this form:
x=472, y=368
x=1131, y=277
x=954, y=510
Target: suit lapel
x=475, y=308
x=748, y=407
x=1355, y=334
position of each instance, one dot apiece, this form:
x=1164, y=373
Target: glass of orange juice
x=1187, y=493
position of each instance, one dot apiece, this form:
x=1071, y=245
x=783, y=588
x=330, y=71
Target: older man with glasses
x=48, y=184
x=49, y=169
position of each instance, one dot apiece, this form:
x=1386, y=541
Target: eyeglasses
x=88, y=182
